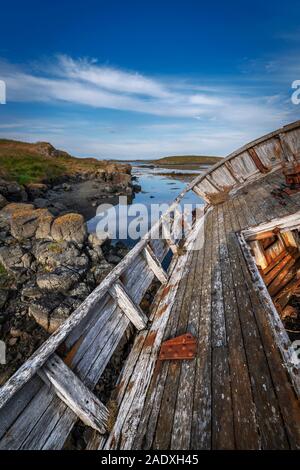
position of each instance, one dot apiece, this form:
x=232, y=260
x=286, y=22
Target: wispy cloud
x=85, y=83
x=204, y=115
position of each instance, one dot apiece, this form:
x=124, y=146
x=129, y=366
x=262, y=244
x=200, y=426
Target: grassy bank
x=186, y=160
x=33, y=163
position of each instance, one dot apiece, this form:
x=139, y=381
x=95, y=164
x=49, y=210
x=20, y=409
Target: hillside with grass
x=187, y=160
x=39, y=162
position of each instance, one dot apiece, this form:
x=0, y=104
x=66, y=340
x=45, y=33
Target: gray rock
x=113, y=259
x=36, y=190
x=3, y=236
x=27, y=260
x=3, y=201
x=60, y=280
x=101, y=271
x=44, y=226
x=15, y=332
x=81, y=291
x=53, y=254
x=69, y=227
x=41, y=203
x=137, y=188
x=11, y=256
x=31, y=292
x=7, y=212
x=97, y=239
x=95, y=254
x=109, y=189
x=13, y=191
x=13, y=341
x=27, y=223
x=3, y=297
x=67, y=187
x=51, y=312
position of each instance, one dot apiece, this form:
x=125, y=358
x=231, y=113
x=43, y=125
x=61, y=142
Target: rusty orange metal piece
x=257, y=161
x=182, y=347
x=292, y=175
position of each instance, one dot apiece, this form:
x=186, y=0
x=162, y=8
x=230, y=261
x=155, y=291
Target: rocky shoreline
x=48, y=262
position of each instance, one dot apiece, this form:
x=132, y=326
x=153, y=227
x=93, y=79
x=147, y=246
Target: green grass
x=24, y=163
x=30, y=168
x=55, y=248
x=187, y=159
x=3, y=271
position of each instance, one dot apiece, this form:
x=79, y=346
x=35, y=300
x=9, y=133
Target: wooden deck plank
x=124, y=430
x=149, y=418
x=222, y=411
x=152, y=406
x=245, y=425
x=288, y=402
x=201, y=437
x=268, y=414
x=182, y=424
x=165, y=420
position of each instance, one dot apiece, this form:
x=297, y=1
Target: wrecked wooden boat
x=236, y=386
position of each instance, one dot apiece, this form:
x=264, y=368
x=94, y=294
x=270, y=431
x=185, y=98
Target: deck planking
x=237, y=393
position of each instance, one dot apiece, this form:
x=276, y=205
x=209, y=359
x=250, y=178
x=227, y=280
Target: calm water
x=156, y=189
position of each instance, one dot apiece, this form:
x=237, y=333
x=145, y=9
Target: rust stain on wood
x=150, y=339
x=161, y=311
x=257, y=161
x=130, y=386
x=166, y=290
x=68, y=359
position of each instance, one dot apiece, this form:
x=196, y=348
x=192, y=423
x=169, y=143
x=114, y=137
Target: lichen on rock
x=69, y=227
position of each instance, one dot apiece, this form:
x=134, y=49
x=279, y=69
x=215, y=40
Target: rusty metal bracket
x=257, y=161
x=182, y=347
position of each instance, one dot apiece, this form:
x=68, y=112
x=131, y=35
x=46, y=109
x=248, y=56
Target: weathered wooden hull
x=240, y=391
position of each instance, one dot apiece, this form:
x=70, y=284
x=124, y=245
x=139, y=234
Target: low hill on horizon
x=187, y=159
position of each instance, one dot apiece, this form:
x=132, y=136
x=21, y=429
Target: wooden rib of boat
x=241, y=390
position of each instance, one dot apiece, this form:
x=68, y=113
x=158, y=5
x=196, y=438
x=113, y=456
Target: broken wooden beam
x=155, y=265
x=284, y=277
x=272, y=274
x=75, y=394
x=169, y=239
x=126, y=304
x=259, y=254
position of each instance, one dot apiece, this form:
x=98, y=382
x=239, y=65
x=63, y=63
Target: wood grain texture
x=240, y=392
x=75, y=394
x=133, y=312
x=155, y=265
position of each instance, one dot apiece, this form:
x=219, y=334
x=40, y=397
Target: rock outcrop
x=48, y=262
x=69, y=227
x=48, y=266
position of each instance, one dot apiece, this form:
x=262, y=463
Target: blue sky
x=144, y=79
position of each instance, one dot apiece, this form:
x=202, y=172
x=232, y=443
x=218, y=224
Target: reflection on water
x=156, y=189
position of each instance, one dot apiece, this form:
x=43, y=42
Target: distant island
x=183, y=162
x=187, y=159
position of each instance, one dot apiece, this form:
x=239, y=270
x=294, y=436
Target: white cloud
x=184, y=116
x=86, y=83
